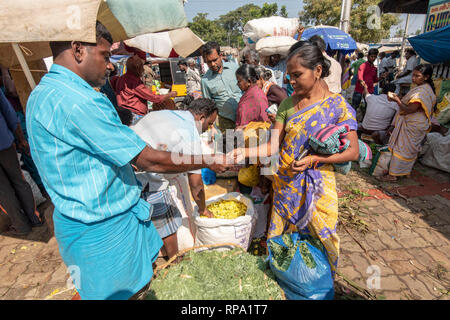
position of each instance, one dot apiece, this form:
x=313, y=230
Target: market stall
x=25, y=36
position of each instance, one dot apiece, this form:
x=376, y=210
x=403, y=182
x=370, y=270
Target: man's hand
x=363, y=83
x=219, y=164
x=300, y=30
x=206, y=213
x=172, y=94
x=24, y=147
x=236, y=156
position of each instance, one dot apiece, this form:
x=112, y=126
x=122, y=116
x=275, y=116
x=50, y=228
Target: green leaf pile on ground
x=216, y=275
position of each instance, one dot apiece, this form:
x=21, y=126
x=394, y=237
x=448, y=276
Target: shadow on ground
x=42, y=233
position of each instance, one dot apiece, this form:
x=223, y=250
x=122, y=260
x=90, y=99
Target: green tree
x=207, y=30
x=399, y=33
x=268, y=10
x=283, y=12
x=233, y=22
x=328, y=12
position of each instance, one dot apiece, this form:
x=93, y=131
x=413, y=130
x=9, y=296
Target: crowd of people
x=109, y=181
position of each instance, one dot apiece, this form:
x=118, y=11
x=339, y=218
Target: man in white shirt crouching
x=379, y=114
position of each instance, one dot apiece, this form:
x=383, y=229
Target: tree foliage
x=362, y=18
x=207, y=30
x=283, y=12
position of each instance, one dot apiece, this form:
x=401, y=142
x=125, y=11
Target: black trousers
x=16, y=196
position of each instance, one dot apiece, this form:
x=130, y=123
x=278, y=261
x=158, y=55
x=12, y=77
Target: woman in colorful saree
x=411, y=123
x=305, y=197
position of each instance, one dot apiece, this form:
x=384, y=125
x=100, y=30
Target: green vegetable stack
x=216, y=275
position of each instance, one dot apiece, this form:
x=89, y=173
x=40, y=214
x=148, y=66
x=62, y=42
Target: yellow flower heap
x=227, y=209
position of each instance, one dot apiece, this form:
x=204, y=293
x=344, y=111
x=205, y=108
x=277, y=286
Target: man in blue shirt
x=175, y=131
x=15, y=193
x=220, y=85
x=84, y=154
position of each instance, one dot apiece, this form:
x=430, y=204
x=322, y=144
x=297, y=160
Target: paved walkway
x=404, y=236
x=395, y=243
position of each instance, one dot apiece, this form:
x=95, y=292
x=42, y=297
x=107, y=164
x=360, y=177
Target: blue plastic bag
x=301, y=267
x=208, y=176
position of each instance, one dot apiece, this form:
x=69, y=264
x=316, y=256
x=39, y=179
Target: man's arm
x=167, y=162
x=8, y=82
x=22, y=142
x=366, y=91
x=205, y=90
x=198, y=193
x=361, y=70
x=403, y=74
x=407, y=71
x=7, y=110
x=195, y=75
x=145, y=93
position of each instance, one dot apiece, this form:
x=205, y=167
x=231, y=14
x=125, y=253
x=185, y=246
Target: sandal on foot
x=387, y=178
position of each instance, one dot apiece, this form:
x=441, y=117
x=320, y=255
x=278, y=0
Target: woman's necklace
x=303, y=103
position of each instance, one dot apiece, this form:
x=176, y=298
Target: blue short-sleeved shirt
x=223, y=89
x=82, y=150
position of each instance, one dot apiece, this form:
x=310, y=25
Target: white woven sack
x=216, y=231
x=382, y=165
x=268, y=27
x=275, y=45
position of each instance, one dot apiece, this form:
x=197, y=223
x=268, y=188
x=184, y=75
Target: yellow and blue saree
x=307, y=202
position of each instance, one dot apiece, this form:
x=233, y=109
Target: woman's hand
x=236, y=156
x=389, y=130
x=393, y=97
x=303, y=164
x=272, y=117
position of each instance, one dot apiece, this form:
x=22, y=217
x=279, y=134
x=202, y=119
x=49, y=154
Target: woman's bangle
x=310, y=162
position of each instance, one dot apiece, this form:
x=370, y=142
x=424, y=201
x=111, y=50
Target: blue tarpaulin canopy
x=433, y=46
x=334, y=38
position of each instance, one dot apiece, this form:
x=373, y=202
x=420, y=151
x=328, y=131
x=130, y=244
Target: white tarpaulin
x=33, y=23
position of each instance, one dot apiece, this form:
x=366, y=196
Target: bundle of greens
x=216, y=275
x=283, y=255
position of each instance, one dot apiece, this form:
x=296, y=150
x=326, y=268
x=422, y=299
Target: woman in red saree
x=253, y=103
